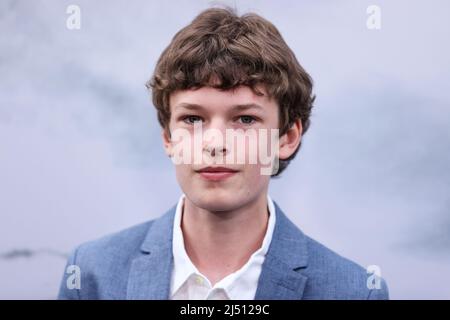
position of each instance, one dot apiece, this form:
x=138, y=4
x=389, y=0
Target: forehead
x=212, y=98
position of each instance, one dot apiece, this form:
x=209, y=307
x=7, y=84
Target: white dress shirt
x=187, y=283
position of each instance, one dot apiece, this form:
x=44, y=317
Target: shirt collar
x=184, y=268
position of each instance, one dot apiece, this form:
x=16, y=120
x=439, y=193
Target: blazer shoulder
x=124, y=241
x=332, y=276
x=103, y=264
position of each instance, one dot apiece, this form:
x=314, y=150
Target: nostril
x=212, y=151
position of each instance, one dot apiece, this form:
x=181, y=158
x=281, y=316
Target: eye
x=191, y=119
x=247, y=119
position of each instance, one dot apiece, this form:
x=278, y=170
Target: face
x=218, y=172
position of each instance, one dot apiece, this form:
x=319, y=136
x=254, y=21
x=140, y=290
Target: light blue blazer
x=136, y=263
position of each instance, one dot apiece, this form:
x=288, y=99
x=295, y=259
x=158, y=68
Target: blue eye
x=247, y=119
x=192, y=119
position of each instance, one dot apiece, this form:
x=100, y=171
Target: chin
x=215, y=200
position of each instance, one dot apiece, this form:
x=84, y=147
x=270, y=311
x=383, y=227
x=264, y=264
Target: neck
x=220, y=243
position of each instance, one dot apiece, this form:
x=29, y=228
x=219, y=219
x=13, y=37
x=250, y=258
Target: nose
x=212, y=151
x=214, y=143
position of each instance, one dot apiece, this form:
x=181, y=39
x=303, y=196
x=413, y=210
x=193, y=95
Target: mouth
x=216, y=173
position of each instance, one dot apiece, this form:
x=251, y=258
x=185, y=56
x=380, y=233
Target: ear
x=167, y=142
x=290, y=140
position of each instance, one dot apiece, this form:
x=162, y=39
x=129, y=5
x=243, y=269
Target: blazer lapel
x=280, y=277
x=150, y=273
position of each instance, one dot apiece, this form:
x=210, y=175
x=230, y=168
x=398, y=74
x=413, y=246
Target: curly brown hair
x=222, y=50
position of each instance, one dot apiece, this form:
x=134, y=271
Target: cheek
x=252, y=176
x=253, y=182
x=264, y=148
x=248, y=149
x=183, y=174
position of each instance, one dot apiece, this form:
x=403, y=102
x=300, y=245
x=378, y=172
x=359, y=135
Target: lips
x=216, y=169
x=216, y=173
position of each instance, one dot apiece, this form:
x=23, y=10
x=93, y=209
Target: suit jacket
x=136, y=263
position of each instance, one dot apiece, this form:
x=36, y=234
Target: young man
x=225, y=238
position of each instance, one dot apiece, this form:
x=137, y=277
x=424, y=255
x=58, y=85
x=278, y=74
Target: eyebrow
x=238, y=107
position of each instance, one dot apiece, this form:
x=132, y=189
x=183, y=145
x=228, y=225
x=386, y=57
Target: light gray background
x=81, y=156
